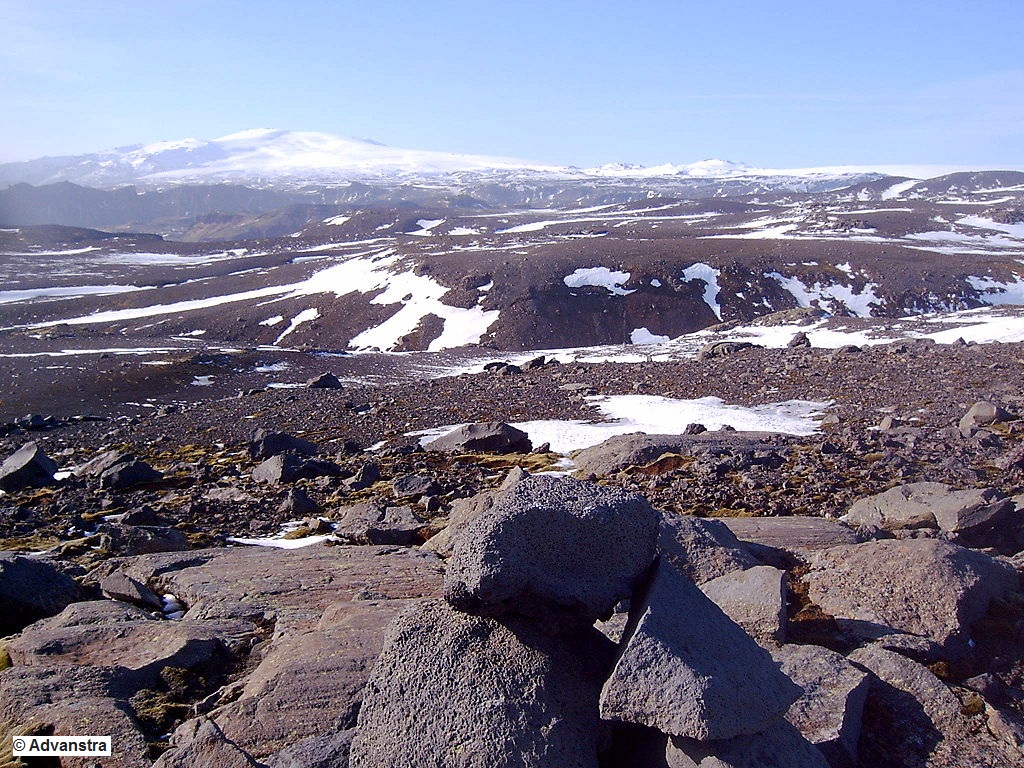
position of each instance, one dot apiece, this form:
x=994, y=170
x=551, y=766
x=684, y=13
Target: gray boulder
x=930, y=505
x=552, y=547
x=128, y=474
x=488, y=437
x=830, y=710
x=31, y=589
x=324, y=381
x=451, y=690
x=140, y=539
x=724, y=348
x=982, y=414
x=779, y=746
x=286, y=468
x=688, y=670
x=27, y=467
x=265, y=444
x=702, y=549
x=101, y=462
x=918, y=586
x=637, y=449
x=408, y=486
x=370, y=523
x=755, y=599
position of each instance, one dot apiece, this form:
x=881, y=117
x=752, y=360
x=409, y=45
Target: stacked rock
x=509, y=670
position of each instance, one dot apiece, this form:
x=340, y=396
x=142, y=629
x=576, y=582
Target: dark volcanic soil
x=201, y=445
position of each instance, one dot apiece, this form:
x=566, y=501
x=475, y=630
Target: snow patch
x=425, y=227
x=270, y=322
x=600, y=277
x=859, y=303
x=709, y=275
x=304, y=316
x=996, y=292
x=644, y=336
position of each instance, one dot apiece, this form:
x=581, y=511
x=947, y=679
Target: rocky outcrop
x=755, y=599
x=702, y=549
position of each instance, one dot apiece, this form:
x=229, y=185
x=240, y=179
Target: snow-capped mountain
x=273, y=158
x=261, y=156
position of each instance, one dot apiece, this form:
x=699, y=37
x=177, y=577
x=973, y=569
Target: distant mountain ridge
x=267, y=157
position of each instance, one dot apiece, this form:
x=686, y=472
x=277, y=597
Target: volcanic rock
x=31, y=589
x=982, y=414
x=265, y=444
x=553, y=547
x=919, y=586
x=755, y=599
x=488, y=437
x=778, y=746
x=702, y=549
x=117, y=586
x=686, y=669
x=372, y=523
x=453, y=689
x=28, y=467
x=127, y=474
x=324, y=381
x=829, y=711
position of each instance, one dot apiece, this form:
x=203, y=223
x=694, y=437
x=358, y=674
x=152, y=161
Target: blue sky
x=780, y=84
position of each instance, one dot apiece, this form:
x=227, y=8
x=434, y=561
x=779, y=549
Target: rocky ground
x=263, y=627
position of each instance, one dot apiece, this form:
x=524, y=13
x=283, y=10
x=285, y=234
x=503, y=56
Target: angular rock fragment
x=930, y=505
x=27, y=467
x=324, y=381
x=755, y=599
x=101, y=462
x=918, y=586
x=414, y=485
x=982, y=414
x=686, y=669
x=200, y=743
x=460, y=691
x=555, y=548
x=829, y=711
x=118, y=586
x=487, y=437
x=265, y=444
x=286, y=468
x=702, y=549
x=127, y=474
x=372, y=523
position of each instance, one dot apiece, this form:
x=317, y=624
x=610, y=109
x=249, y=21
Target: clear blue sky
x=779, y=84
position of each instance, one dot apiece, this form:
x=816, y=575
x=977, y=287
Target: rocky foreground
x=717, y=598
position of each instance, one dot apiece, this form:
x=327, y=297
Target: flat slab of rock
x=617, y=453
x=27, y=467
x=702, y=548
x=328, y=607
x=117, y=586
x=462, y=691
x=688, y=670
x=555, y=548
x=791, y=534
x=831, y=708
x=487, y=437
x=918, y=586
x=755, y=599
